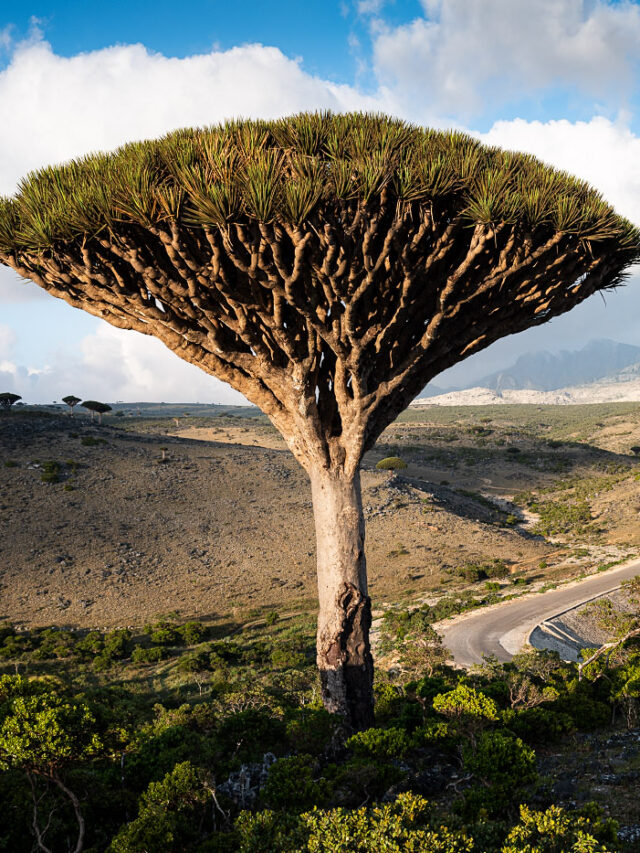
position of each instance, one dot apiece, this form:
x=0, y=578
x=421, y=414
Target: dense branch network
x=333, y=323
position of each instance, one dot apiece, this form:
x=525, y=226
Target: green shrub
x=558, y=831
x=6, y=630
x=117, y=646
x=399, y=827
x=391, y=463
x=290, y=785
x=310, y=730
x=258, y=832
x=247, y=735
x=380, y=744
x=50, y=471
x=359, y=779
x=143, y=655
x=18, y=685
x=388, y=700
x=562, y=517
x=539, y=725
x=117, y=643
x=502, y=767
x=286, y=659
x=192, y=633
x=471, y=572
x=90, y=645
x=15, y=646
x=465, y=702
x=90, y=441
x=54, y=643
x=44, y=731
x=163, y=632
x=10, y=463
x=172, y=815
x=474, y=572
x=435, y=733
x=587, y=714
x=195, y=662
x=499, y=758
x=102, y=662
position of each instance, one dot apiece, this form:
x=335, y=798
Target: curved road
x=503, y=629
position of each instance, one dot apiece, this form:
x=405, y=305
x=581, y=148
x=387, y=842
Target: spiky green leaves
x=291, y=171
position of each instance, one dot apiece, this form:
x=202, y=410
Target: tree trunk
x=343, y=651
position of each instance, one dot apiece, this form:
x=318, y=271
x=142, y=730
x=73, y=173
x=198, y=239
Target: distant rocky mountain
x=599, y=360
x=604, y=391
x=545, y=371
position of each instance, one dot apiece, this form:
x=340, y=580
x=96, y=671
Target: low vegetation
x=181, y=736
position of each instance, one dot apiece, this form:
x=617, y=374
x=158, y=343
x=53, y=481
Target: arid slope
x=218, y=526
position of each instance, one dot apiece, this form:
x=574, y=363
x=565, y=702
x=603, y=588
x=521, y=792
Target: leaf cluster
x=293, y=169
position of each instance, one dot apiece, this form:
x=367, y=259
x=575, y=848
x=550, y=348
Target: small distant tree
x=96, y=408
x=422, y=651
x=7, y=400
x=391, y=464
x=71, y=401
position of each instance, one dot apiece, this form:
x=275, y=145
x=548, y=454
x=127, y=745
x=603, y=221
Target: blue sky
x=557, y=77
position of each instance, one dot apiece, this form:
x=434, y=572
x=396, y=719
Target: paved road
x=503, y=629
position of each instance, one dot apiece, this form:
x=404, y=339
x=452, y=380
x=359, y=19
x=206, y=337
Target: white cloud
x=5, y=38
x=602, y=152
x=7, y=341
x=113, y=364
x=462, y=56
x=129, y=366
x=62, y=107
x=370, y=7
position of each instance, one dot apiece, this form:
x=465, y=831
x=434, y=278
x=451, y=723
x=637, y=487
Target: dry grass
x=225, y=525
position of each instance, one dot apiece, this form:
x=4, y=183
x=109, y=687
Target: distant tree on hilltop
x=96, y=408
x=7, y=400
x=71, y=401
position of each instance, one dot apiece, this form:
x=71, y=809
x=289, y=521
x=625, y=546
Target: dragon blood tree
x=326, y=266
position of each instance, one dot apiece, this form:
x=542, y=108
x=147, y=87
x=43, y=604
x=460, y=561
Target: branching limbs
x=331, y=326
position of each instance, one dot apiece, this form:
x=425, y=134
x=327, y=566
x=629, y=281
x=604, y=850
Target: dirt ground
x=224, y=523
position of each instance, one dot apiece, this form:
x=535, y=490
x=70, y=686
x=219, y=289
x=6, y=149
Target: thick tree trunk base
x=346, y=665
x=343, y=652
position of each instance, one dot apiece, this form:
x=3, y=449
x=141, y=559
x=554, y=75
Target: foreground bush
x=162, y=778
x=559, y=831
x=172, y=815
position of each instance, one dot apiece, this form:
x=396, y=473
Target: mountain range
x=545, y=371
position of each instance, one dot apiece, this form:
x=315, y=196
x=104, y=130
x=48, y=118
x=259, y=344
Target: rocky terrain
x=123, y=536
x=96, y=529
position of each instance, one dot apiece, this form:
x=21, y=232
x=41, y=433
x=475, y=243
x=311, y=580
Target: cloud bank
x=109, y=365
x=474, y=55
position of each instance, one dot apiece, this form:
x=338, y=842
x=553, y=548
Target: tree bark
x=75, y=802
x=343, y=650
